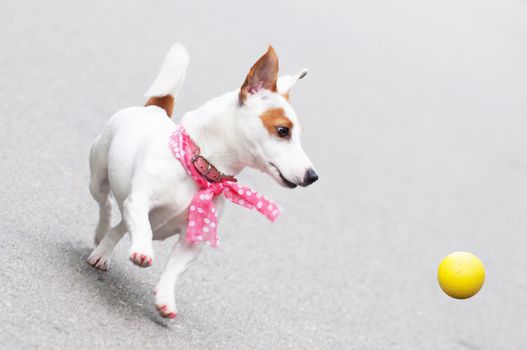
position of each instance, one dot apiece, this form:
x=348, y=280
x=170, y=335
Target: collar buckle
x=209, y=171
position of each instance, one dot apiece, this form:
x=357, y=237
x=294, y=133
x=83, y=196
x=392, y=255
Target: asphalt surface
x=415, y=114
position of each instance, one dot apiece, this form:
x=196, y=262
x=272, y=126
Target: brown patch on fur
x=263, y=74
x=165, y=102
x=286, y=96
x=273, y=118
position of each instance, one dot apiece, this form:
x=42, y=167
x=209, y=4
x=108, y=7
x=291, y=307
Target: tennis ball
x=461, y=275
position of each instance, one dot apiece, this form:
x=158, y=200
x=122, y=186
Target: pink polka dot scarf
x=202, y=217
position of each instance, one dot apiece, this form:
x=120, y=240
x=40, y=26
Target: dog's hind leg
x=105, y=218
x=101, y=255
x=182, y=256
x=100, y=191
x=100, y=187
x=135, y=214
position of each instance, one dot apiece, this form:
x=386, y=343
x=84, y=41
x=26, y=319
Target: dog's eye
x=282, y=131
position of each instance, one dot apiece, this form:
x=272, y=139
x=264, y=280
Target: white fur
x=131, y=160
x=172, y=73
x=286, y=82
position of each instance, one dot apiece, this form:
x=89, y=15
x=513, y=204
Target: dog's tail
x=168, y=82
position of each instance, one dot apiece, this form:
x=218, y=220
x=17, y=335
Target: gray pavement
x=415, y=114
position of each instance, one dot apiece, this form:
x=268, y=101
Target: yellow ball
x=461, y=275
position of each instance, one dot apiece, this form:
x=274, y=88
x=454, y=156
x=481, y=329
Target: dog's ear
x=286, y=82
x=263, y=75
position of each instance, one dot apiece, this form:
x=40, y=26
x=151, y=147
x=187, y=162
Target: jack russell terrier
x=172, y=179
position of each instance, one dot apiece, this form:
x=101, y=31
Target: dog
x=132, y=161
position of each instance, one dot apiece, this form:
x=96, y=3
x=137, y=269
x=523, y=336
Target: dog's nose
x=310, y=177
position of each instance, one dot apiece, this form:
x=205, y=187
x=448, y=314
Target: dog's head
x=268, y=127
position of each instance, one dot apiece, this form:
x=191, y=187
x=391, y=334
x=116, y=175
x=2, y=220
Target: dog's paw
x=99, y=261
x=142, y=257
x=165, y=304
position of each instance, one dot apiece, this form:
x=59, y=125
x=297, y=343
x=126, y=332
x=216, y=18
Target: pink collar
x=202, y=217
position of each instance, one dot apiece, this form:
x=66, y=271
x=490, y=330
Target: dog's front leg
x=182, y=256
x=135, y=215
